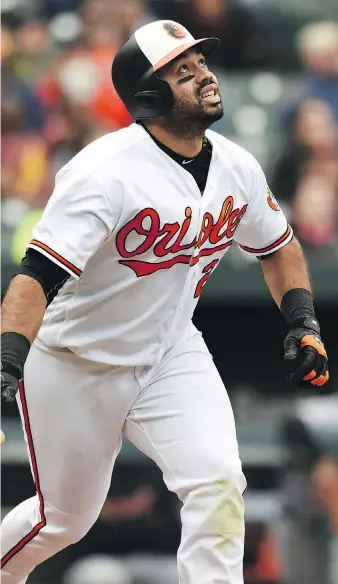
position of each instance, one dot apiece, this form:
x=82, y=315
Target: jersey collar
x=181, y=160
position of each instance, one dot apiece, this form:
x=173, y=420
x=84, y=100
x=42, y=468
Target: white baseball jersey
x=140, y=241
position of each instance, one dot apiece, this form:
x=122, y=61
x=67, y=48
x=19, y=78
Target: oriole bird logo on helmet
x=175, y=30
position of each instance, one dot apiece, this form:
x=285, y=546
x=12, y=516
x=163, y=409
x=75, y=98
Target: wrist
x=297, y=306
x=14, y=351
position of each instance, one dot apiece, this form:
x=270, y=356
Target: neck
x=187, y=147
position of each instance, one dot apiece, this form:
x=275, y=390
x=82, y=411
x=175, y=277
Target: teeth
x=209, y=93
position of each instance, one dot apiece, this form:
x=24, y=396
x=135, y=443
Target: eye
x=183, y=69
x=203, y=63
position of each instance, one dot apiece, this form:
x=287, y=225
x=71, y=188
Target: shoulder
x=238, y=161
x=102, y=158
x=231, y=151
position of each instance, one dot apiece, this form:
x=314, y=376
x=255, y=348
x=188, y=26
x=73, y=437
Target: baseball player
x=97, y=333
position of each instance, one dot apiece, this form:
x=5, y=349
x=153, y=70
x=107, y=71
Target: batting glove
x=14, y=350
x=9, y=386
x=303, y=343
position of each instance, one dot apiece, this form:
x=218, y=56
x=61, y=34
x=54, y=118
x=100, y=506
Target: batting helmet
x=148, y=49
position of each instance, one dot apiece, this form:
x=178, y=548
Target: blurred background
x=278, y=72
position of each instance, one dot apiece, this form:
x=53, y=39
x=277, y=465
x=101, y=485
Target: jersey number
x=207, y=271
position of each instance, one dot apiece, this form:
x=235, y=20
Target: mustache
x=205, y=84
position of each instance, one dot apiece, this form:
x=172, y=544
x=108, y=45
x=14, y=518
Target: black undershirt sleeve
x=49, y=275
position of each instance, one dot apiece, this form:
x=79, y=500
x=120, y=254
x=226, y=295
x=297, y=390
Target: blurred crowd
x=57, y=97
x=307, y=172
x=57, y=94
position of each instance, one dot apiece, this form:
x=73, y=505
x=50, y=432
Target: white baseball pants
x=74, y=413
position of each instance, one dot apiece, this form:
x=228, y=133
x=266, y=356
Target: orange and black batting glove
x=303, y=344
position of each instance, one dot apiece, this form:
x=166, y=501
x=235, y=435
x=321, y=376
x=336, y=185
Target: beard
x=190, y=120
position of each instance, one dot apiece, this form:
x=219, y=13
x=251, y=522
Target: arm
x=264, y=232
x=22, y=312
x=284, y=270
x=29, y=293
x=286, y=275
x=23, y=307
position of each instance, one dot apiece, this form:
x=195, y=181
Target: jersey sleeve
x=77, y=219
x=263, y=228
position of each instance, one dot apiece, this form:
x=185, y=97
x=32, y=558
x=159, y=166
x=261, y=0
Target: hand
x=9, y=387
x=303, y=343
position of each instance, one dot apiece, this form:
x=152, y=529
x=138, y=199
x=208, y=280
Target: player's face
x=195, y=88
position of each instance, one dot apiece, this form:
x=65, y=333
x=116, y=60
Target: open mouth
x=210, y=95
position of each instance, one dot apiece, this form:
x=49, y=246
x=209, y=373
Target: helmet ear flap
x=148, y=99
x=156, y=98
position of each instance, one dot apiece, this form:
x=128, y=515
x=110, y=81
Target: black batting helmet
x=148, y=49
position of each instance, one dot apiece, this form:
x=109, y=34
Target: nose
x=204, y=76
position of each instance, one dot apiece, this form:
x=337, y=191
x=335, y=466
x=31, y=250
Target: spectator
x=317, y=45
x=244, y=40
x=16, y=91
x=306, y=176
x=33, y=51
x=69, y=127
x=26, y=171
x=81, y=76
x=132, y=14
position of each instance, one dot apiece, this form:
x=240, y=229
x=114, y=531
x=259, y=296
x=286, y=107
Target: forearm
x=286, y=270
x=23, y=307
x=288, y=279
